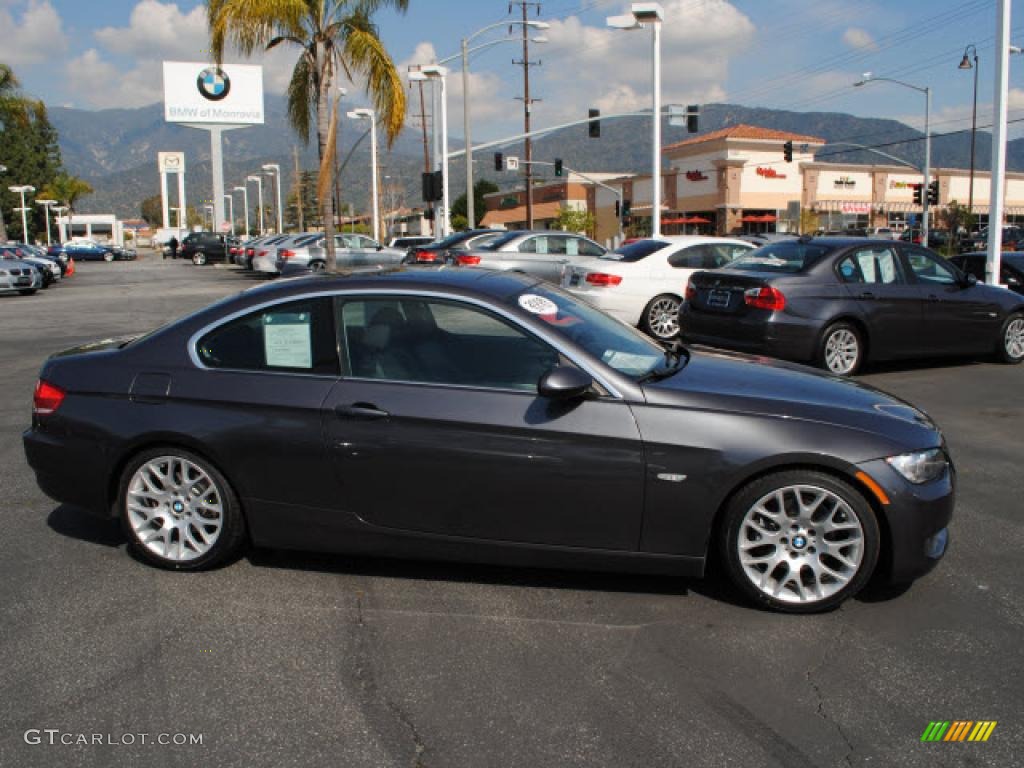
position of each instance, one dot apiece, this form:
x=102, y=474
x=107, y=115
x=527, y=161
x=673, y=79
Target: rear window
x=499, y=241
x=640, y=249
x=780, y=257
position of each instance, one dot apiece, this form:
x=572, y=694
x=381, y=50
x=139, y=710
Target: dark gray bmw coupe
x=480, y=416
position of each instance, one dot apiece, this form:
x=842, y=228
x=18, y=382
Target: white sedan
x=643, y=283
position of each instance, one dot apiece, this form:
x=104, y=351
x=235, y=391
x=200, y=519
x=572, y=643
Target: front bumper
x=916, y=521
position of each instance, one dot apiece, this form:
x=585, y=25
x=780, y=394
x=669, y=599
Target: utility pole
x=525, y=5
x=297, y=185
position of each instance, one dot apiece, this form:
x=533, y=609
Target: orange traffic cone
x=71, y=267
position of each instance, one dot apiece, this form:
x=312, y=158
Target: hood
x=739, y=383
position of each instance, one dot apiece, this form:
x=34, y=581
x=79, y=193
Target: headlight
x=921, y=466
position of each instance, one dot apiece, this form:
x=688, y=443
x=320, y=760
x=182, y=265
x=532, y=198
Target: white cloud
x=33, y=35
x=859, y=39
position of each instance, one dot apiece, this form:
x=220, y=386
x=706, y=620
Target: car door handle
x=366, y=411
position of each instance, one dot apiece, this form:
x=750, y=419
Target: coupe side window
x=928, y=269
x=294, y=337
x=439, y=342
x=693, y=257
x=590, y=248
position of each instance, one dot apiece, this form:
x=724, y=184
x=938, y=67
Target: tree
x=152, y=209
x=310, y=213
x=335, y=38
x=67, y=190
x=572, y=220
x=459, y=222
x=809, y=221
x=481, y=188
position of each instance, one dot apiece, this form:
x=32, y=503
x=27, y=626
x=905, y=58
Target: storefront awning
x=687, y=220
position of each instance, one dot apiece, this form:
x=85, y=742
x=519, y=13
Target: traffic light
x=499, y=161
x=433, y=186
x=693, y=118
x=428, y=214
x=594, y=126
x=787, y=151
x=918, y=189
x=933, y=193
x=626, y=208
x=618, y=209
x=558, y=166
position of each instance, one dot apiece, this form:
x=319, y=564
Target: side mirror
x=969, y=280
x=564, y=383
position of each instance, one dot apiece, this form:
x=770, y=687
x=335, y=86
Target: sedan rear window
x=780, y=257
x=636, y=251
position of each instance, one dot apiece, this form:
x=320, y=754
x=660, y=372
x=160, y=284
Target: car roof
x=696, y=239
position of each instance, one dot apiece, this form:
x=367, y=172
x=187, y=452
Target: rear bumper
x=774, y=334
x=265, y=264
x=70, y=471
x=916, y=519
x=625, y=308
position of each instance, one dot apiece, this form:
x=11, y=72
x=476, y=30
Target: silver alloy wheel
x=175, y=509
x=108, y=256
x=1013, y=341
x=842, y=350
x=317, y=266
x=663, y=317
x=800, y=544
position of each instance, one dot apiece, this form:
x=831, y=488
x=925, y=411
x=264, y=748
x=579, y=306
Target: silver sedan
x=544, y=254
x=351, y=251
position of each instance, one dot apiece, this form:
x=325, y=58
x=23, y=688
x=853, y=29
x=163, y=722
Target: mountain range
x=115, y=150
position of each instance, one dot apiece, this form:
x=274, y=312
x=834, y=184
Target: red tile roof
x=743, y=131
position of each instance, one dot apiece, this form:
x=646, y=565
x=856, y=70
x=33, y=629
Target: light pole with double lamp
x=245, y=204
x=364, y=113
x=274, y=170
x=965, y=63
x=259, y=188
x=24, y=219
x=46, y=212
x=641, y=15
x=927, y=91
x=466, y=50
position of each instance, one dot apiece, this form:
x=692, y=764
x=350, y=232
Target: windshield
x=788, y=257
x=635, y=251
x=616, y=344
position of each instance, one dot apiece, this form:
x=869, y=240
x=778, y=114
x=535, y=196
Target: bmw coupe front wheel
x=800, y=541
x=179, y=511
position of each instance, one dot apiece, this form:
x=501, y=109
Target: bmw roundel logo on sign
x=213, y=83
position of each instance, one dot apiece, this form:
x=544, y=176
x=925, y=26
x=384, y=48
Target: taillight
x=426, y=256
x=250, y=251
x=467, y=261
x=765, y=297
x=286, y=254
x=691, y=291
x=47, y=398
x=602, y=278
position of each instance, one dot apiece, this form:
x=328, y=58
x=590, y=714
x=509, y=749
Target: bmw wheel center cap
x=799, y=542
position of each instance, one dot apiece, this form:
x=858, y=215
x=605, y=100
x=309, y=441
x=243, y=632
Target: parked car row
x=28, y=268
x=85, y=249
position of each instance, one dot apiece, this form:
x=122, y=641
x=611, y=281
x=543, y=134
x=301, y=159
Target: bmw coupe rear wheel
x=178, y=511
x=661, y=317
x=842, y=350
x=1011, y=344
x=800, y=541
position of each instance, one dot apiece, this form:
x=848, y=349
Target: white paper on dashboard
x=288, y=345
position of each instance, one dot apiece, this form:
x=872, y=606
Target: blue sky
x=791, y=54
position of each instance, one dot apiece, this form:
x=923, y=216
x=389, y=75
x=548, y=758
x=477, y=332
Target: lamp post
x=24, y=219
x=466, y=50
x=210, y=209
x=439, y=73
x=259, y=187
x=927, y=91
x=3, y=228
x=273, y=169
x=231, y=212
x=58, y=211
x=640, y=15
x=46, y=212
x=965, y=63
x=367, y=114
x=245, y=203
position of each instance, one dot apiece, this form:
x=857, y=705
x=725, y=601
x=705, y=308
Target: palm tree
x=335, y=38
x=12, y=107
x=67, y=190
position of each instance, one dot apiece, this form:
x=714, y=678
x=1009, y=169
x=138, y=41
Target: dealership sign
x=171, y=162
x=200, y=92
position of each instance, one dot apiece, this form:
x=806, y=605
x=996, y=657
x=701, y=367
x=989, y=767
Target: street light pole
x=368, y=114
x=231, y=212
x=275, y=170
x=245, y=203
x=46, y=212
x=927, y=91
x=259, y=188
x=58, y=211
x=3, y=227
x=24, y=219
x=965, y=63
x=653, y=14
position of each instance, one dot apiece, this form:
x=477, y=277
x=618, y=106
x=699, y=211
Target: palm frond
x=363, y=52
x=251, y=24
x=302, y=96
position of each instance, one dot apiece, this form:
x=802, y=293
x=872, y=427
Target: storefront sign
x=770, y=173
x=844, y=182
x=901, y=185
x=695, y=176
x=855, y=207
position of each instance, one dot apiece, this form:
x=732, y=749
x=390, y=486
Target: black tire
x=806, y=548
x=839, y=335
x=1010, y=344
x=317, y=266
x=230, y=537
x=659, y=320
x=199, y=259
x=28, y=291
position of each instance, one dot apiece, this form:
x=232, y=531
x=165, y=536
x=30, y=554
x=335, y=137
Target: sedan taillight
x=467, y=261
x=47, y=398
x=691, y=291
x=765, y=297
x=426, y=256
x=286, y=254
x=603, y=278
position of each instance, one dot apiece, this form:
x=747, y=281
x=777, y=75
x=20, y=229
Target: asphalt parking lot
x=307, y=660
